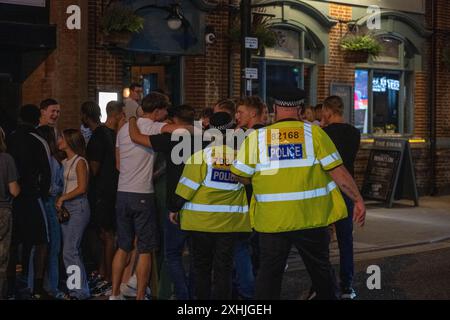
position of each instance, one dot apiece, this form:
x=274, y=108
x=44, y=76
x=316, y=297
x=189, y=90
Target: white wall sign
x=103, y=99
x=251, y=73
x=34, y=3
x=251, y=43
x=417, y=6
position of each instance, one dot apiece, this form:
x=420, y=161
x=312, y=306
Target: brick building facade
x=81, y=65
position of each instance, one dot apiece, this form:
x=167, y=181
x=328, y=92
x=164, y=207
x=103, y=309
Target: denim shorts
x=136, y=217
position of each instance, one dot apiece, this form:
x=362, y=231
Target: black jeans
x=344, y=234
x=213, y=257
x=312, y=245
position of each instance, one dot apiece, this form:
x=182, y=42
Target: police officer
x=296, y=173
x=213, y=208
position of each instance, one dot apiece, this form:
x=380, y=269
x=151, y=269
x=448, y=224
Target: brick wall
x=207, y=76
x=105, y=65
x=63, y=74
x=337, y=69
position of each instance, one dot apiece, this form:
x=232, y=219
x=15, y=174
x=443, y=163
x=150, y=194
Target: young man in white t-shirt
x=135, y=205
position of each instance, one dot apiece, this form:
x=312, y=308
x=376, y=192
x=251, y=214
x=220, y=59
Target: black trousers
x=213, y=264
x=313, y=247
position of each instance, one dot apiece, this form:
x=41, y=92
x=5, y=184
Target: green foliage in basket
x=362, y=43
x=118, y=18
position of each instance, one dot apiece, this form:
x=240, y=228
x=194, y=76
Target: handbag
x=64, y=214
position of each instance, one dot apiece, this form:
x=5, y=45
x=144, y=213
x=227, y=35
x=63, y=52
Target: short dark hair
x=91, y=110
x=30, y=114
x=135, y=85
x=153, y=101
x=184, y=112
x=207, y=113
x=47, y=102
x=227, y=104
x=254, y=102
x=318, y=107
x=335, y=104
x=114, y=106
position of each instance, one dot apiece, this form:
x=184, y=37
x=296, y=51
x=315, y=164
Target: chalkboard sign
x=345, y=91
x=390, y=172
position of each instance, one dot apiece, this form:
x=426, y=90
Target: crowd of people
x=112, y=203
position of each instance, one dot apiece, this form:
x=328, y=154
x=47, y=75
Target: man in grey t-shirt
x=8, y=175
x=9, y=188
x=132, y=107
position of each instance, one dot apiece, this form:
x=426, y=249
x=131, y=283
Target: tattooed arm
x=345, y=181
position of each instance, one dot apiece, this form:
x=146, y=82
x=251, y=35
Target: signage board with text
x=390, y=172
x=417, y=6
x=34, y=3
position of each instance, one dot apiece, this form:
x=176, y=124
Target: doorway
x=162, y=74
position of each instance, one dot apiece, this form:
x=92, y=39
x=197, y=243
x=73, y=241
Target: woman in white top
x=74, y=199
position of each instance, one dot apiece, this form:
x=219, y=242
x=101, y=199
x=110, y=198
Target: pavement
x=397, y=230
x=411, y=245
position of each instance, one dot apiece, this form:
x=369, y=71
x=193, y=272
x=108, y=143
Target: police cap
x=288, y=96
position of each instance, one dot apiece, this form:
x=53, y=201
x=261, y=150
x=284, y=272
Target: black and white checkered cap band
x=223, y=127
x=282, y=103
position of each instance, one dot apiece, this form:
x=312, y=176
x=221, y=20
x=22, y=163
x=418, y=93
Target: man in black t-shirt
x=103, y=177
x=347, y=141
x=29, y=226
x=175, y=239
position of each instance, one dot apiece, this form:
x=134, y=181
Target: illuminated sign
x=409, y=5
x=103, y=99
x=381, y=84
x=34, y=3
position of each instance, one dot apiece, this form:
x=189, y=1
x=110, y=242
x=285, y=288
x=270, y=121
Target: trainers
x=129, y=289
x=116, y=298
x=348, y=294
x=101, y=288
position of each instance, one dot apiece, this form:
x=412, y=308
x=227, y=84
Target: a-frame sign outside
x=390, y=173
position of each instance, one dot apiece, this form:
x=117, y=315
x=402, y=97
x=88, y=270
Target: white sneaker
x=129, y=289
x=119, y=297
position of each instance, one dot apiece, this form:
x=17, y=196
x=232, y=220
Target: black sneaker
x=348, y=294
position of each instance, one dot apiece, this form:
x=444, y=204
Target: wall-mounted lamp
x=175, y=17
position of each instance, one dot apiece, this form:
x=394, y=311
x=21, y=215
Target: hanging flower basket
x=260, y=29
x=119, y=23
x=356, y=56
x=119, y=39
x=358, y=48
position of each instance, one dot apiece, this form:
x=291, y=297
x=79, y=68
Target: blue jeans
x=72, y=232
x=244, y=278
x=52, y=276
x=175, y=240
x=344, y=234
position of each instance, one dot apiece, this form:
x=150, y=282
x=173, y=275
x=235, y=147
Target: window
x=290, y=62
x=381, y=99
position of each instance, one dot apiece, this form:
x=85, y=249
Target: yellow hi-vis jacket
x=288, y=163
x=216, y=201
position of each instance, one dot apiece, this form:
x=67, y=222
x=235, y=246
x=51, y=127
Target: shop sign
x=34, y=3
x=417, y=6
x=390, y=173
